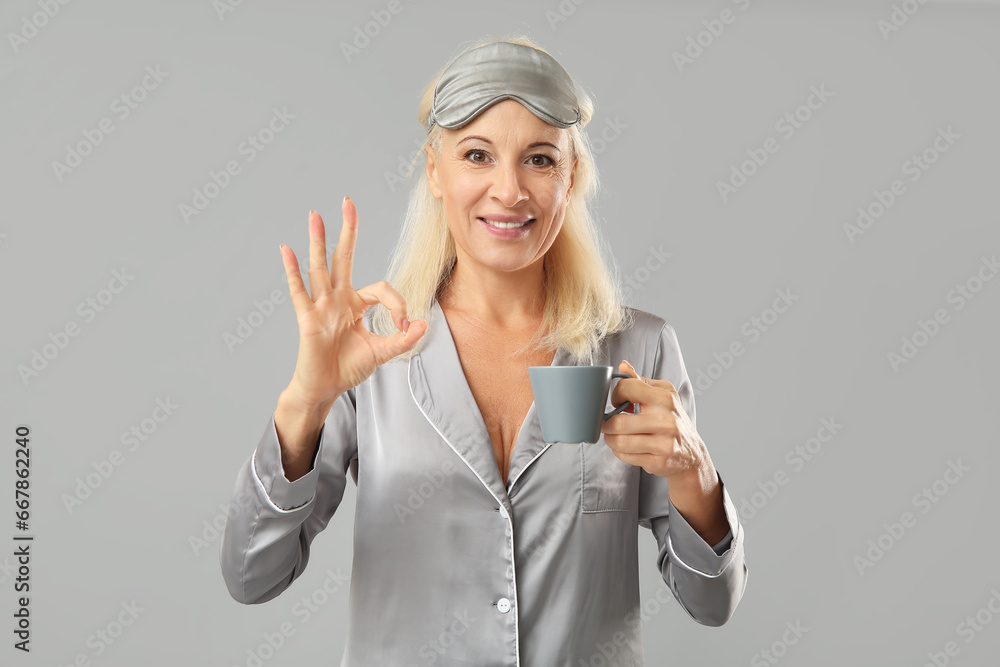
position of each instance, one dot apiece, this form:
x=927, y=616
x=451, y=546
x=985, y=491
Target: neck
x=511, y=300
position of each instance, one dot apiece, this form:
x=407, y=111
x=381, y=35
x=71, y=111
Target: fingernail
x=345, y=199
x=406, y=324
x=630, y=366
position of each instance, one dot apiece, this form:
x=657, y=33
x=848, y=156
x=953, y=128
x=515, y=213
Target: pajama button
x=503, y=512
x=503, y=605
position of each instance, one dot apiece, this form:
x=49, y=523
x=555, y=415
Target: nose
x=507, y=186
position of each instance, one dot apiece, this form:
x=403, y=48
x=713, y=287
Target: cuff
x=724, y=544
x=283, y=494
x=686, y=548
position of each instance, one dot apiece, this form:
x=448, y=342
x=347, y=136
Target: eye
x=543, y=156
x=476, y=152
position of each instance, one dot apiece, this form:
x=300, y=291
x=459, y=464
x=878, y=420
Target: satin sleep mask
x=480, y=78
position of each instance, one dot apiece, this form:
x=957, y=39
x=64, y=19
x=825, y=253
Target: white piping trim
x=517, y=638
x=521, y=471
x=267, y=496
x=677, y=559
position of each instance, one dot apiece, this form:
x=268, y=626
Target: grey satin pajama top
x=453, y=567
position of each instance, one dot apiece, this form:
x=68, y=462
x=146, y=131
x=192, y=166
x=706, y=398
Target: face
x=507, y=164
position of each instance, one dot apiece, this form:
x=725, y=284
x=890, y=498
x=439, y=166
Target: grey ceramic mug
x=570, y=401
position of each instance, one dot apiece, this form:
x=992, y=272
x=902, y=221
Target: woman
x=475, y=542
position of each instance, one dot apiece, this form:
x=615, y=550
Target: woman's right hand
x=336, y=351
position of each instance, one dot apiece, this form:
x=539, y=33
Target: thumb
x=403, y=341
x=626, y=367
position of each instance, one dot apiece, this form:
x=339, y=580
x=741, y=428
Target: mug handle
x=609, y=415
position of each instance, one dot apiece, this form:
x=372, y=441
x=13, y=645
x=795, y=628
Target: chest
x=499, y=381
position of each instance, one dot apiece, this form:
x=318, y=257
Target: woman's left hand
x=661, y=438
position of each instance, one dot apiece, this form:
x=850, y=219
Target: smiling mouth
x=506, y=225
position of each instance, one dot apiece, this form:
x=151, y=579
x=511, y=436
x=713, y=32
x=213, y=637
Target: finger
x=626, y=367
x=646, y=395
x=646, y=423
x=319, y=277
x=641, y=460
x=638, y=391
x=637, y=443
x=300, y=297
x=384, y=293
x=388, y=347
x=343, y=254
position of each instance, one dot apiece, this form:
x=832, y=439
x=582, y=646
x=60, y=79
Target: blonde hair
x=583, y=293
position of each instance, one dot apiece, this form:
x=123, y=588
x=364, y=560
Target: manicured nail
x=406, y=324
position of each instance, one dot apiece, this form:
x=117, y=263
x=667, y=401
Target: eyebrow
x=485, y=140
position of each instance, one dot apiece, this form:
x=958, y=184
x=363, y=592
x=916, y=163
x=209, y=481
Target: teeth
x=506, y=225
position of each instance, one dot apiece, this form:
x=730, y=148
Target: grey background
x=163, y=336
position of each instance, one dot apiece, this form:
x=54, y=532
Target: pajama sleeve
x=271, y=521
x=707, y=580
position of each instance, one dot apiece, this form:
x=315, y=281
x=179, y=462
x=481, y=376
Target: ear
x=432, y=172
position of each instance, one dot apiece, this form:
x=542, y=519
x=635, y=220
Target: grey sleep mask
x=480, y=78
